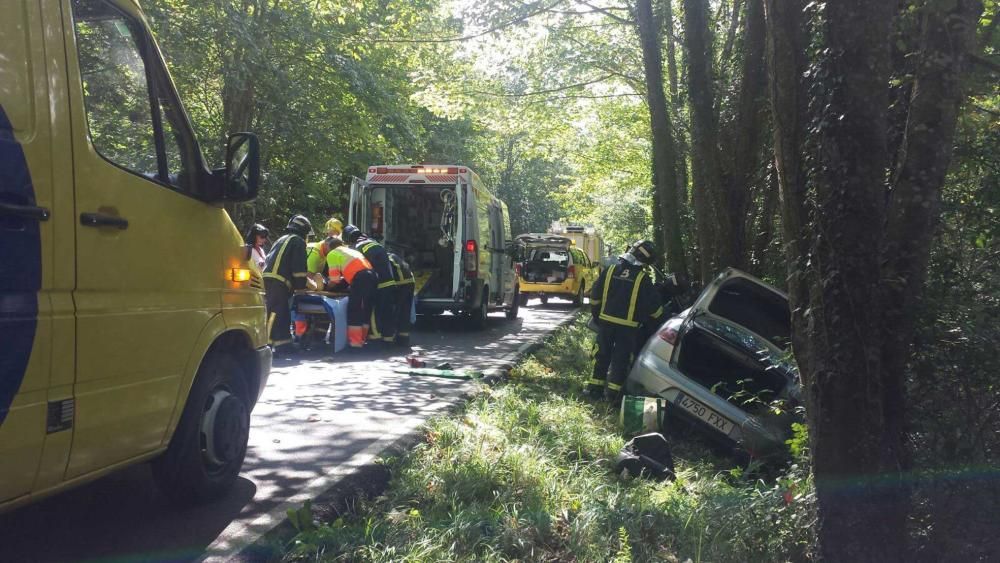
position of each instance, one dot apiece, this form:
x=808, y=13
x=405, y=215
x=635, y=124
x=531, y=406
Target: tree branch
x=489, y=31
x=537, y=92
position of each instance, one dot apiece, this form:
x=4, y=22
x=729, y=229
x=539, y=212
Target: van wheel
x=578, y=300
x=515, y=305
x=207, y=449
x=478, y=316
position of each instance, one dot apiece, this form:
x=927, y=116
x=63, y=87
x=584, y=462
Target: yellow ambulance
x=131, y=321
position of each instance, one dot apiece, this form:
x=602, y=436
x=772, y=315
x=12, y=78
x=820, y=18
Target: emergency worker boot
x=613, y=395
x=403, y=340
x=594, y=390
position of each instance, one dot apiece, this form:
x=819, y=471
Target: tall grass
x=524, y=472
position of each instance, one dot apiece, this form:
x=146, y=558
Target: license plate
x=705, y=414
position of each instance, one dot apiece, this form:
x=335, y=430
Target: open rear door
x=356, y=211
x=458, y=244
x=749, y=302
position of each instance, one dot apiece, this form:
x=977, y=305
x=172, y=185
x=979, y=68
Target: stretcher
x=320, y=317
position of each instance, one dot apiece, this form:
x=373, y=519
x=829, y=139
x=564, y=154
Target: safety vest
x=343, y=263
x=379, y=258
x=626, y=296
x=315, y=257
x=287, y=261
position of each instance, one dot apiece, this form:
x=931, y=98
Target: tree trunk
x=764, y=235
x=676, y=103
x=711, y=224
x=856, y=265
x=664, y=159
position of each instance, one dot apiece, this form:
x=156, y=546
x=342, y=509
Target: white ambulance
x=451, y=229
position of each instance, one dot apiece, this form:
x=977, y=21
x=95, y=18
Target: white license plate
x=705, y=414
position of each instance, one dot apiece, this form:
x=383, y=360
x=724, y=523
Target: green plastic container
x=642, y=414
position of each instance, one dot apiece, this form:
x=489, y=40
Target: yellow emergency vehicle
x=552, y=266
x=131, y=320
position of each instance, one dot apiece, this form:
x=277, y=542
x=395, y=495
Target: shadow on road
x=317, y=413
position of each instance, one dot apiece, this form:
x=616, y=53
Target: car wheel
x=544, y=299
x=523, y=298
x=515, y=306
x=206, y=452
x=578, y=300
x=478, y=316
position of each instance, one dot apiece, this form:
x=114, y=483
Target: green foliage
x=524, y=473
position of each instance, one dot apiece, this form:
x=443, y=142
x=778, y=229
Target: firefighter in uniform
x=383, y=321
x=284, y=272
x=622, y=298
x=405, y=286
x=349, y=269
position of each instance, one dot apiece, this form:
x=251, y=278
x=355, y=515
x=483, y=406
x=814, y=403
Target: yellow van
x=552, y=266
x=131, y=320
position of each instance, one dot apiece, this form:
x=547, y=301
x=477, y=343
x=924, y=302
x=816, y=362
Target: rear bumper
x=263, y=363
x=533, y=288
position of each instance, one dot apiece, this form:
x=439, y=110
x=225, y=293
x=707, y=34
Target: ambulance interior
x=419, y=222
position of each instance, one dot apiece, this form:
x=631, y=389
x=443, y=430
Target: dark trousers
x=360, y=297
x=279, y=317
x=384, y=315
x=404, y=305
x=615, y=345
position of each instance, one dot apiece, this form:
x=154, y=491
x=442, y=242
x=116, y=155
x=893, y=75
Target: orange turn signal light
x=239, y=274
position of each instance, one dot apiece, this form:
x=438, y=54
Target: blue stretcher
x=324, y=313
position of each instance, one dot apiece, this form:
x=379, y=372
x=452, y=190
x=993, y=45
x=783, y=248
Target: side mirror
x=242, y=176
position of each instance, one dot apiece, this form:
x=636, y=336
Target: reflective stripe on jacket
x=401, y=272
x=624, y=295
x=343, y=263
x=379, y=258
x=287, y=261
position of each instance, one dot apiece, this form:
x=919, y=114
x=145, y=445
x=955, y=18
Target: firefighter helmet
x=351, y=234
x=644, y=251
x=299, y=225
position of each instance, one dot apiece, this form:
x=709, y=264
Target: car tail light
x=471, y=260
x=517, y=269
x=669, y=332
x=571, y=273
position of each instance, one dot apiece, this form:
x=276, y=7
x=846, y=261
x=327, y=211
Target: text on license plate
x=707, y=415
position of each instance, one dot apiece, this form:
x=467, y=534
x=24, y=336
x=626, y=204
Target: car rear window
x=755, y=307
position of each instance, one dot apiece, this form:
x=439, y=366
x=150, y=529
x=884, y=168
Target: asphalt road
x=319, y=418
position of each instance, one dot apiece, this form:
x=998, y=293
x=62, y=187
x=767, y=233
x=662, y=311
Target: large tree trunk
x=664, y=158
x=856, y=265
x=676, y=103
x=711, y=225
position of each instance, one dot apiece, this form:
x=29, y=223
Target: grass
x=524, y=473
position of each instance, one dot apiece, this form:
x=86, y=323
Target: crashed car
x=724, y=364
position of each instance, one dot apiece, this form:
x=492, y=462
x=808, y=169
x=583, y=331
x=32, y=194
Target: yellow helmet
x=334, y=227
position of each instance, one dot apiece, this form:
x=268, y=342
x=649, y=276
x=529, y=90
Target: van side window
x=130, y=116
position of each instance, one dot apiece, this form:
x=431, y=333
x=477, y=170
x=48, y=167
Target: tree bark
x=711, y=226
x=664, y=157
x=856, y=265
x=676, y=103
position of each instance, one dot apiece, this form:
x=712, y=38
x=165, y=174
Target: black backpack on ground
x=649, y=454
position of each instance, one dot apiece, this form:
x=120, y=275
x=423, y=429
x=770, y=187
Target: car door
x=147, y=279
x=36, y=273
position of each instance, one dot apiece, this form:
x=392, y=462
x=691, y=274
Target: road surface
x=319, y=417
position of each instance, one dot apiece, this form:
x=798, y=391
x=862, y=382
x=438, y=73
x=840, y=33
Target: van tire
x=193, y=471
x=578, y=300
x=479, y=314
x=515, y=305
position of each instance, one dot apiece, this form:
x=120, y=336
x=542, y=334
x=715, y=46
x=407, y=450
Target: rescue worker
x=622, y=298
x=334, y=227
x=285, y=271
x=383, y=321
x=256, y=238
x=348, y=269
x=405, y=286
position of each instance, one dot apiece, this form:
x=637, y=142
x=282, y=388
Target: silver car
x=724, y=364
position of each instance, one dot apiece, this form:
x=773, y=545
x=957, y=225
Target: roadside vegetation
x=525, y=472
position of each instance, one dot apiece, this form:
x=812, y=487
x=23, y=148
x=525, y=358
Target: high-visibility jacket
x=401, y=272
x=379, y=258
x=624, y=295
x=286, y=262
x=343, y=263
x=316, y=257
